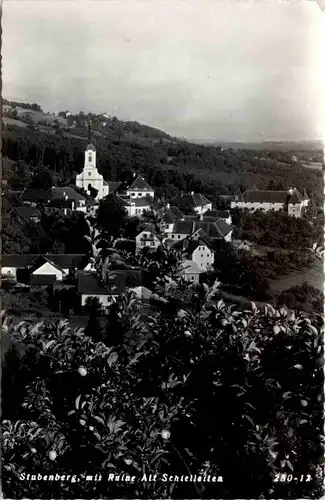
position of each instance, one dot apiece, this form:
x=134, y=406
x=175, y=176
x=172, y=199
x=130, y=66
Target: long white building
x=291, y=202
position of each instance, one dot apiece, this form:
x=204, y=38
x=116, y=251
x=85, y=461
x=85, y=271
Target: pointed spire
x=254, y=188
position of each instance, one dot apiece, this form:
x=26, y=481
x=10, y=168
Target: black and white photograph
x=162, y=249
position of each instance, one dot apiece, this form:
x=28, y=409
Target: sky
x=198, y=69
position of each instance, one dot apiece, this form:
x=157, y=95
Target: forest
x=169, y=165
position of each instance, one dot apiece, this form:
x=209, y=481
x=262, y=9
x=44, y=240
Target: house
x=190, y=271
x=181, y=230
x=199, y=252
x=139, y=188
x=32, y=197
x=89, y=286
x=64, y=207
x=26, y=266
x=76, y=200
x=291, y=202
x=28, y=213
x=196, y=202
x=136, y=207
x=170, y=215
x=213, y=230
x=90, y=178
x=52, y=198
x=242, y=245
x=141, y=205
x=147, y=238
x=219, y=214
x=113, y=187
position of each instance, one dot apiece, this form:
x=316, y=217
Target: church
x=90, y=177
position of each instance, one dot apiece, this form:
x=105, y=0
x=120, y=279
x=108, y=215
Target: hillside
x=170, y=165
x=303, y=145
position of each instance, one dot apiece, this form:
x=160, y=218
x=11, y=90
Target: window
x=133, y=194
x=179, y=236
x=201, y=255
x=192, y=278
x=172, y=236
x=89, y=173
x=89, y=158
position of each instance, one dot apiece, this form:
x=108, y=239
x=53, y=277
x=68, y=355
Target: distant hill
x=300, y=145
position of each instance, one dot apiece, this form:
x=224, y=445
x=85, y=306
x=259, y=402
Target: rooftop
x=183, y=227
x=139, y=184
x=194, y=200
x=190, y=267
x=113, y=186
x=27, y=212
x=30, y=194
x=142, y=202
x=64, y=261
x=62, y=192
x=222, y=214
x=117, y=281
x=272, y=196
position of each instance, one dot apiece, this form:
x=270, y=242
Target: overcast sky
x=200, y=69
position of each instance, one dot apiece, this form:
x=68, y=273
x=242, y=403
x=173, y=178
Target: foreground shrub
x=237, y=394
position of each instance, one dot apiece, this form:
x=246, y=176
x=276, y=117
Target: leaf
x=112, y=358
x=49, y=344
x=78, y=401
x=289, y=464
x=298, y=367
x=99, y=419
x=286, y=395
x=249, y=419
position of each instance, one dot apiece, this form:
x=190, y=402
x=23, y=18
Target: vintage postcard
x=162, y=274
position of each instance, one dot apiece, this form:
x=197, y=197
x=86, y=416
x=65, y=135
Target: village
x=194, y=235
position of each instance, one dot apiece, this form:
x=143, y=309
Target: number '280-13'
x=283, y=478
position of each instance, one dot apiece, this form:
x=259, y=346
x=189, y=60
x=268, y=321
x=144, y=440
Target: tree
x=42, y=180
x=93, y=192
x=304, y=297
x=199, y=390
x=111, y=216
x=93, y=328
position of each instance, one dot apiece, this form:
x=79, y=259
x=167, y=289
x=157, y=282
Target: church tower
x=90, y=177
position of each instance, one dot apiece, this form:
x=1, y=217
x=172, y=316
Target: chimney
x=65, y=196
x=201, y=217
